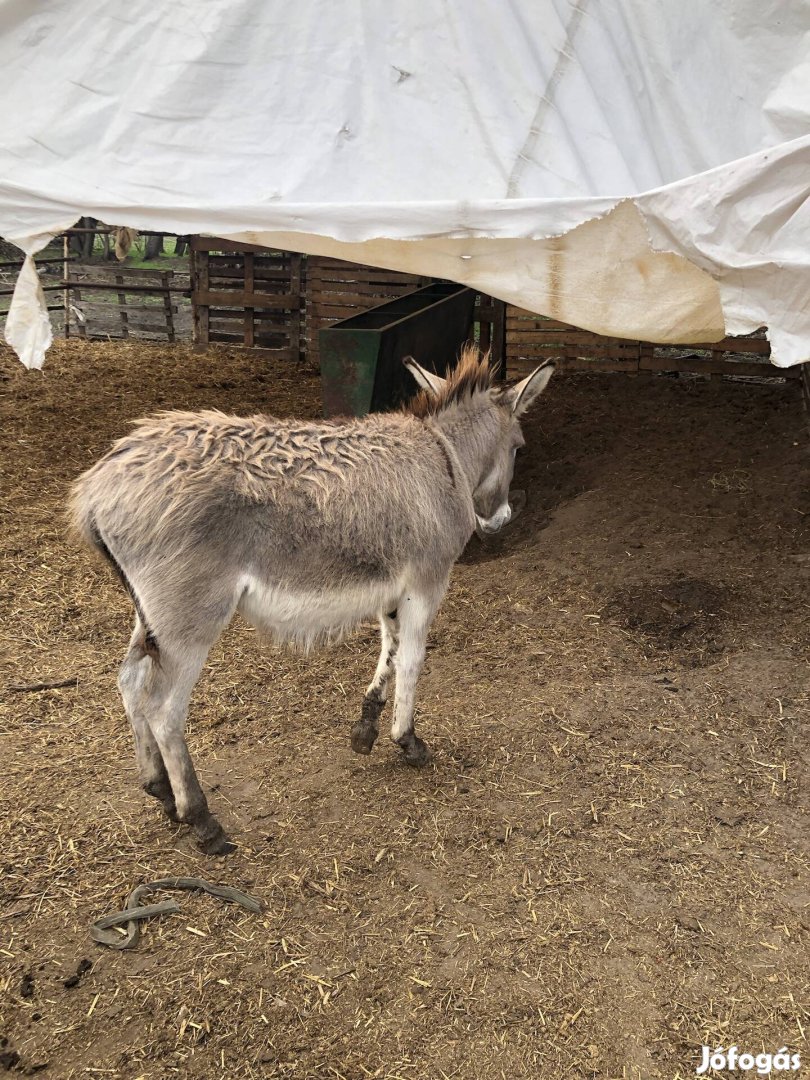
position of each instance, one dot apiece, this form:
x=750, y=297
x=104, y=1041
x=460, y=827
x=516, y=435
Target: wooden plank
x=237, y=314
x=334, y=313
x=113, y=305
x=50, y=307
x=360, y=289
x=113, y=286
x=11, y=264
x=45, y=288
x=367, y=275
x=513, y=312
x=214, y=244
x=572, y=337
x=356, y=272
x=535, y=350
x=141, y=322
x=236, y=274
x=735, y=345
x=582, y=363
x=359, y=300
x=697, y=366
x=335, y=283
x=108, y=276
x=214, y=298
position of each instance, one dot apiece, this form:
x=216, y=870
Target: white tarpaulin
x=637, y=167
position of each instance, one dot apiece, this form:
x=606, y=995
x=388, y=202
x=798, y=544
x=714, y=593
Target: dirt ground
x=604, y=867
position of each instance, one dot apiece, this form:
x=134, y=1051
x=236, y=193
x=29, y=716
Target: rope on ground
x=102, y=932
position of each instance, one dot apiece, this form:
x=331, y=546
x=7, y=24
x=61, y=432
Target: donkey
x=307, y=529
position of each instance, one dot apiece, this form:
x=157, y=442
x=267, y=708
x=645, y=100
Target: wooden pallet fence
x=249, y=296
x=534, y=337
x=7, y=291
x=246, y=296
x=336, y=290
x=119, y=303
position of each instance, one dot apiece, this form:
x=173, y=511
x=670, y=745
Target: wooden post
x=166, y=278
x=498, y=338
x=200, y=281
x=296, y=316
x=485, y=322
x=65, y=267
x=717, y=358
x=122, y=306
x=646, y=351
x=80, y=322
x=249, y=336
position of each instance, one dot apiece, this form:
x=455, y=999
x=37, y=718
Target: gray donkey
x=307, y=529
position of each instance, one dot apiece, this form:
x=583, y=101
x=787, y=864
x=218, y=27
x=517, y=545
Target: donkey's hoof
x=216, y=846
x=415, y=751
x=211, y=839
x=364, y=735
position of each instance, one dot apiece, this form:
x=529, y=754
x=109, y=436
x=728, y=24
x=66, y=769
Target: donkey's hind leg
x=174, y=675
x=366, y=730
x=133, y=676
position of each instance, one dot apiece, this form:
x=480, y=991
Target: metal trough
x=361, y=357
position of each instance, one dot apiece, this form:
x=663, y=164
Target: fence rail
x=123, y=303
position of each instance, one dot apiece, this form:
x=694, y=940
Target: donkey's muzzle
x=489, y=526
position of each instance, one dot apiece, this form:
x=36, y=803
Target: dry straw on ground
x=606, y=865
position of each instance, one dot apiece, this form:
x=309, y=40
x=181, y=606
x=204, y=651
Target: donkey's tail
x=82, y=517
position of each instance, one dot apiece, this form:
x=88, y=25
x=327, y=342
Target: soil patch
x=605, y=866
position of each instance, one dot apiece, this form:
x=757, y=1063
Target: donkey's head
x=485, y=422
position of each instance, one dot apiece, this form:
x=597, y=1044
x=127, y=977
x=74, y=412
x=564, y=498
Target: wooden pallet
x=246, y=296
x=336, y=290
x=533, y=337
x=120, y=302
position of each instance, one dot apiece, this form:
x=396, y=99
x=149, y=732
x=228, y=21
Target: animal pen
x=245, y=295
x=248, y=296
x=604, y=870
x=604, y=867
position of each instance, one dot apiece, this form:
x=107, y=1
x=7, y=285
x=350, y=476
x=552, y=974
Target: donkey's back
x=376, y=482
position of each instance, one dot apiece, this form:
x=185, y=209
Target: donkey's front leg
x=416, y=611
x=366, y=730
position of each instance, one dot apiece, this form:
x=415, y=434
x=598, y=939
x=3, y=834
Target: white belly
x=305, y=618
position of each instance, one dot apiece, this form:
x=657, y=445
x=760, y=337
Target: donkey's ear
x=427, y=380
x=523, y=394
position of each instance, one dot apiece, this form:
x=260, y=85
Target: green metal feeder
x=361, y=357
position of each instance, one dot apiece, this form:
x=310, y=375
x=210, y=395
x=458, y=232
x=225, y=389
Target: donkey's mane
x=471, y=375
